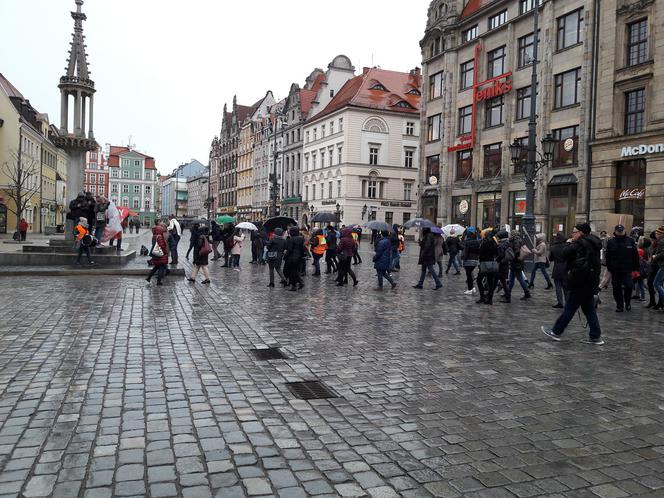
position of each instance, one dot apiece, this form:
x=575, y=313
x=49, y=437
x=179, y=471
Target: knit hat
x=583, y=228
x=278, y=232
x=660, y=231
x=83, y=221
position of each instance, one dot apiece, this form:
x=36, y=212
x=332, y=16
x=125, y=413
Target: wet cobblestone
x=117, y=388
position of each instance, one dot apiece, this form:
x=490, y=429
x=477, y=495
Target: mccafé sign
x=631, y=194
x=499, y=88
x=482, y=91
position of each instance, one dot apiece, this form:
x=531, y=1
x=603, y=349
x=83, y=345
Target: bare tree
x=23, y=177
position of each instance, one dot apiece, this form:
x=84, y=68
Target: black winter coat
x=488, y=250
x=427, y=250
x=583, y=264
x=471, y=250
x=558, y=260
x=198, y=259
x=453, y=244
x=294, y=249
x=621, y=255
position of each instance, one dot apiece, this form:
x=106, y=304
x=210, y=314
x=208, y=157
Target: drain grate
x=269, y=354
x=312, y=389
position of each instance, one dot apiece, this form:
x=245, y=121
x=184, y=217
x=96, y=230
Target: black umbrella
x=324, y=217
x=379, y=225
x=279, y=222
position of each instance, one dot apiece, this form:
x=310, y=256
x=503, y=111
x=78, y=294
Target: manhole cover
x=269, y=354
x=312, y=389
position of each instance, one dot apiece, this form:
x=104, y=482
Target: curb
x=73, y=272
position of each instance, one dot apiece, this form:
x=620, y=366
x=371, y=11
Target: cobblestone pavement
x=118, y=388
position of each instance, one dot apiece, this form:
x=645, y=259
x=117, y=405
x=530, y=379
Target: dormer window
x=379, y=86
x=414, y=91
x=403, y=104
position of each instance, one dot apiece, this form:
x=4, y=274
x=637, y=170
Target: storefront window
x=430, y=207
x=517, y=208
x=433, y=167
x=461, y=210
x=488, y=209
x=630, y=192
x=562, y=208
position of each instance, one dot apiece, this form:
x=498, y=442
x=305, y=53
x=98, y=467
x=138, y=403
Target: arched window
x=375, y=125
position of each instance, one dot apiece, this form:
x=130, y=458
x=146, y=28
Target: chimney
x=365, y=70
x=415, y=72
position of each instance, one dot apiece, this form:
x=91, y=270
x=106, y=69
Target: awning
x=430, y=193
x=566, y=179
x=489, y=187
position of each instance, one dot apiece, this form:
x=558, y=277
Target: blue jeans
x=316, y=258
x=576, y=300
x=542, y=267
x=518, y=274
x=659, y=284
x=383, y=274
x=99, y=232
x=173, y=241
x=432, y=270
x=396, y=260
x=83, y=249
x=453, y=261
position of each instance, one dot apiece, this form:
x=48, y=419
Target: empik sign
x=642, y=149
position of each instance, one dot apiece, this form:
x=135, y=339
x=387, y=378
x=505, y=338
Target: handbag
x=524, y=252
x=489, y=267
x=205, y=248
x=157, y=251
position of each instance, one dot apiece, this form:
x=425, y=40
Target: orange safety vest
x=322, y=245
x=81, y=232
x=402, y=244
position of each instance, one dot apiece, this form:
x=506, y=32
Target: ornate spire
x=77, y=64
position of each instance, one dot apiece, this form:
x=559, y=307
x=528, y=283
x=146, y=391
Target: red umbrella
x=124, y=212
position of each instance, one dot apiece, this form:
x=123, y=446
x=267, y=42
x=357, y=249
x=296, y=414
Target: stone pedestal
x=75, y=184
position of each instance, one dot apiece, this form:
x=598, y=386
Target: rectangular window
x=125, y=189
x=408, y=155
x=322, y=158
x=101, y=189
x=433, y=128
x=494, y=111
x=492, y=160
x=306, y=192
x=498, y=20
x=567, y=88
x=389, y=217
x=93, y=189
x=407, y=191
x=137, y=163
x=93, y=178
x=340, y=151
x=306, y=162
x=467, y=74
x=435, y=85
x=464, y=166
x=125, y=174
x=322, y=191
x=331, y=127
x=523, y=102
x=637, y=42
x=125, y=202
x=469, y=34
x=315, y=134
x=372, y=189
x=330, y=155
x=433, y=166
x=137, y=203
x=526, y=44
x=137, y=189
x=137, y=175
x=114, y=173
x=525, y=6
x=329, y=190
x=496, y=62
x=306, y=136
x=341, y=124
x=148, y=190
x=466, y=120
x=561, y=157
x=313, y=192
x=148, y=175
x=635, y=111
x=569, y=29
x=519, y=167
x=373, y=155
x=338, y=188
x=114, y=188
x=314, y=165
x=147, y=204
x=410, y=128
x=322, y=131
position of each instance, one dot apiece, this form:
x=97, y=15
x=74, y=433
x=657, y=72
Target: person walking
x=382, y=260
x=541, y=261
x=318, y=248
x=486, y=278
x=293, y=255
x=174, y=235
x=236, y=248
x=159, y=253
x=622, y=258
x=504, y=256
x=559, y=268
x=357, y=237
x=275, y=255
x=521, y=252
x=398, y=246
x=582, y=256
x=137, y=225
x=194, y=233
x=227, y=239
x=427, y=259
x=23, y=229
x=202, y=250
x=658, y=262
x=217, y=237
x=453, y=246
x=441, y=251
x=470, y=256
x=345, y=250
x=331, y=237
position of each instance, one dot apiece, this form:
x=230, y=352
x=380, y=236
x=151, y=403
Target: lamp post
x=532, y=167
x=364, y=211
x=274, y=188
x=339, y=212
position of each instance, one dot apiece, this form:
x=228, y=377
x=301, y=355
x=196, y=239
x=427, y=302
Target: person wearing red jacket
x=23, y=228
x=160, y=259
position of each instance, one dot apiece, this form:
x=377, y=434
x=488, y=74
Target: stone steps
x=31, y=258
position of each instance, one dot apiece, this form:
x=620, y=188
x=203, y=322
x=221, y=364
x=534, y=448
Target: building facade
x=133, y=182
x=96, y=173
x=628, y=144
x=477, y=65
x=245, y=171
x=197, y=194
x=361, y=151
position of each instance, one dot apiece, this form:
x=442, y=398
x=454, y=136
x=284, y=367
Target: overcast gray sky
x=164, y=68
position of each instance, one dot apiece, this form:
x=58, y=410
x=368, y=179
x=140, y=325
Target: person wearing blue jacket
x=383, y=259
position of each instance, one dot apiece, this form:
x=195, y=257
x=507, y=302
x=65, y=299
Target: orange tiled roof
x=357, y=92
x=306, y=99
x=116, y=152
x=475, y=6
x=318, y=82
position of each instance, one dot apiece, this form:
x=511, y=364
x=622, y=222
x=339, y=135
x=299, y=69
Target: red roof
x=475, y=6
x=306, y=99
x=357, y=92
x=116, y=152
x=315, y=86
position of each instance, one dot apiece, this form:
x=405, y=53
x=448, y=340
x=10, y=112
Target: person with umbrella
x=293, y=255
x=217, y=237
x=383, y=259
x=236, y=248
x=453, y=245
x=275, y=255
x=427, y=259
x=318, y=248
x=175, y=231
x=357, y=237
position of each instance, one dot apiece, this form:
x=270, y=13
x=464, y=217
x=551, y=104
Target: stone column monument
x=77, y=89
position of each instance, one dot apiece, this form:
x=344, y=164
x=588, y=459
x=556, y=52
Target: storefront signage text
x=499, y=88
x=642, y=149
x=396, y=204
x=631, y=194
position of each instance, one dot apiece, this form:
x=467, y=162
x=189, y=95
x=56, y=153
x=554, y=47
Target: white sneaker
x=469, y=293
x=474, y=291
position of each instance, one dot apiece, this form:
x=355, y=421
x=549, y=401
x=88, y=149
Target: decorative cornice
x=634, y=7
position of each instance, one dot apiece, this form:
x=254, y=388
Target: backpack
x=205, y=249
x=509, y=254
x=144, y=251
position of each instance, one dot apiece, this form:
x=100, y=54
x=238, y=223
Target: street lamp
x=531, y=169
x=340, y=213
x=279, y=120
x=364, y=211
